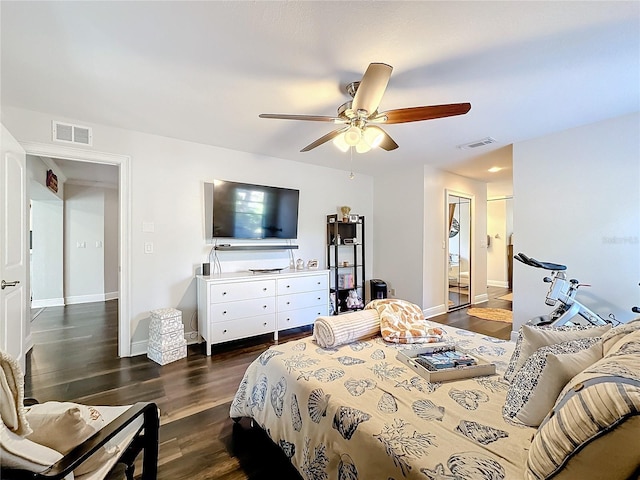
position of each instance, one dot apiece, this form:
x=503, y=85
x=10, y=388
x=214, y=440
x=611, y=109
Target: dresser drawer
x=232, y=292
x=301, y=300
x=301, y=284
x=247, y=327
x=300, y=317
x=221, y=312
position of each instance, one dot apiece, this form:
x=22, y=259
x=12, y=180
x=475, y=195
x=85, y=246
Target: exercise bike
x=562, y=294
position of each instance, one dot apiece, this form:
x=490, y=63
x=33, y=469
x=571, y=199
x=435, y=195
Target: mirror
x=458, y=244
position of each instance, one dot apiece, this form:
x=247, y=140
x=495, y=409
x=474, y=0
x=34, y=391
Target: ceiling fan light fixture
x=373, y=136
x=352, y=136
x=340, y=142
x=362, y=147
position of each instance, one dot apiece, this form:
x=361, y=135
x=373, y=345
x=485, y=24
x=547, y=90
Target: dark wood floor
x=74, y=358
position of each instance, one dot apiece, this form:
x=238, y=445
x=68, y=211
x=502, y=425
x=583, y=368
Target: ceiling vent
x=67, y=133
x=477, y=143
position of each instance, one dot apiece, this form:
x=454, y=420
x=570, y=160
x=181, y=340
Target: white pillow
x=531, y=338
x=534, y=390
x=63, y=425
x=21, y=453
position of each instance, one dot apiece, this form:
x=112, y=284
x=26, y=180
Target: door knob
x=6, y=284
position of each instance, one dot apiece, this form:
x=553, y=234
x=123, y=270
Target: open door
x=14, y=261
x=458, y=242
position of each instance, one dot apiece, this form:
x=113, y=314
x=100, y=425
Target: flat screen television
x=248, y=211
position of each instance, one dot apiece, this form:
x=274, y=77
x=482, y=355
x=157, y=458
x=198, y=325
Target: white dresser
x=239, y=305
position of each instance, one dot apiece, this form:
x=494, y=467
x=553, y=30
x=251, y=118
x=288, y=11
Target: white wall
x=167, y=178
x=47, y=252
x=577, y=202
x=46, y=259
x=499, y=222
x=398, y=230
x=111, y=237
x=84, y=244
x=410, y=231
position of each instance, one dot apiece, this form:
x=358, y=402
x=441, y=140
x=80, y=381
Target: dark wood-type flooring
x=74, y=358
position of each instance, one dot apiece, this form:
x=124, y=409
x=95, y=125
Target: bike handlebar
x=532, y=262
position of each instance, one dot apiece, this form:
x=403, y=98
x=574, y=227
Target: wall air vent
x=477, y=143
x=67, y=133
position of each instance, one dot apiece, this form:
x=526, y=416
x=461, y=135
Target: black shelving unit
x=345, y=260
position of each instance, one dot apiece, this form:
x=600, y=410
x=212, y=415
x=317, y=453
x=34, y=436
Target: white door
x=14, y=289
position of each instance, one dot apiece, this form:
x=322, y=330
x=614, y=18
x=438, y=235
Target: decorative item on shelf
x=345, y=209
x=345, y=281
x=300, y=264
x=350, y=241
x=312, y=264
x=354, y=302
x=338, y=240
x=353, y=218
x=345, y=263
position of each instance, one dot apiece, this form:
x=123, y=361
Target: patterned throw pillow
x=592, y=431
x=531, y=338
x=535, y=389
x=403, y=322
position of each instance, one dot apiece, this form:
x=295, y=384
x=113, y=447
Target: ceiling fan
x=360, y=117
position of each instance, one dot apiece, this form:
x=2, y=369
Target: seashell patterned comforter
x=356, y=412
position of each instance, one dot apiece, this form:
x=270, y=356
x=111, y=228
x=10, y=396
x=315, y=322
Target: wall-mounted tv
x=248, y=211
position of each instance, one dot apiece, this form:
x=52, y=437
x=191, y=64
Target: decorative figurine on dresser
x=166, y=336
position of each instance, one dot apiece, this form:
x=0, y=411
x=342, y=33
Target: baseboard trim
x=481, y=298
x=96, y=297
x=47, y=302
x=497, y=283
x=434, y=311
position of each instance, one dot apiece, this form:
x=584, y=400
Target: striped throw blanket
x=337, y=330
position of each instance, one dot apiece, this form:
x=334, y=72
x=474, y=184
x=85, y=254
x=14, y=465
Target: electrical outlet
x=392, y=291
x=148, y=247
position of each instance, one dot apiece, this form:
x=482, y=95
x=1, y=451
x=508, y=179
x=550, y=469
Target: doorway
x=458, y=250
x=123, y=162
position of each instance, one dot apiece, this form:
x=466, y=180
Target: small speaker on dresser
x=206, y=269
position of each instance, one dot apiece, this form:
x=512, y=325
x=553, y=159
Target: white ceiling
x=203, y=71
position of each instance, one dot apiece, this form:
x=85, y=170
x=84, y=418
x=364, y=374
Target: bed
x=356, y=412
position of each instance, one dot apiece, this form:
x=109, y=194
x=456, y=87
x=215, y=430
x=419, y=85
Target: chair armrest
x=148, y=433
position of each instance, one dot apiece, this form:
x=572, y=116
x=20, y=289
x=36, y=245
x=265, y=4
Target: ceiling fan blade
x=312, y=118
x=387, y=142
x=325, y=138
x=416, y=114
x=372, y=87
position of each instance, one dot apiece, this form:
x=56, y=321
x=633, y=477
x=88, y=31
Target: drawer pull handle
x=224, y=331
x=224, y=313
x=264, y=289
x=264, y=306
x=224, y=293
x=318, y=283
x=264, y=324
x=288, y=319
x=288, y=286
x=319, y=298
x=288, y=303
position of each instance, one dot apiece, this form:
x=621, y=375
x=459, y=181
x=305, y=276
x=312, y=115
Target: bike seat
x=532, y=262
